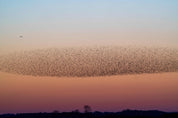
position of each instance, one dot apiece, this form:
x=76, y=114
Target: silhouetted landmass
x=97, y=114
x=91, y=61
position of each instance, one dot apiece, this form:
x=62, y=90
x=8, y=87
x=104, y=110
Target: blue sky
x=60, y=22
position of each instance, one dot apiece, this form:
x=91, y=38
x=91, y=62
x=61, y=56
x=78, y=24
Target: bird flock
x=90, y=61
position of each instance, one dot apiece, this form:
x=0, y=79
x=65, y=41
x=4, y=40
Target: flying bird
x=20, y=36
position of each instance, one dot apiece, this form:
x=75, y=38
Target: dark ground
x=97, y=114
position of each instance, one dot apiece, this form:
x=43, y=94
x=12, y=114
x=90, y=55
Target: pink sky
x=111, y=93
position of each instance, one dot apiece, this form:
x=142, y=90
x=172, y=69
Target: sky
x=33, y=24
x=23, y=94
x=56, y=23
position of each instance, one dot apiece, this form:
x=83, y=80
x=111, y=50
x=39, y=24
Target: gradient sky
x=58, y=23
x=49, y=23
x=21, y=93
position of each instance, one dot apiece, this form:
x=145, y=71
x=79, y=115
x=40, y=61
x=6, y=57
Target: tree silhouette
x=76, y=111
x=55, y=111
x=87, y=109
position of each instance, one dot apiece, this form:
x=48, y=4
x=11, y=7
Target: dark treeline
x=96, y=114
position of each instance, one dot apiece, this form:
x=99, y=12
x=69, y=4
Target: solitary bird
x=20, y=36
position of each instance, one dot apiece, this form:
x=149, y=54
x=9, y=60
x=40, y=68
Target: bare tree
x=87, y=109
x=76, y=111
x=55, y=111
